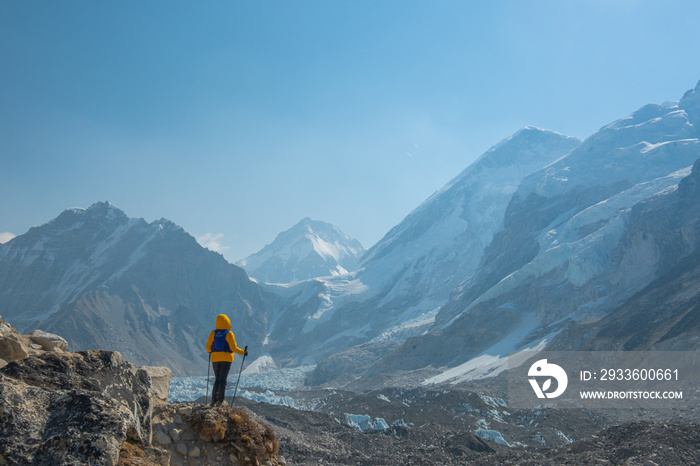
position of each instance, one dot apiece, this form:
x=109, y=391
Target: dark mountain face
x=147, y=290
x=53, y=263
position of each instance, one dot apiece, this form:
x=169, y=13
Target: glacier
x=185, y=389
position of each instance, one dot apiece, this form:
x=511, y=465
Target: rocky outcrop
x=198, y=434
x=93, y=407
x=48, y=341
x=43, y=426
x=160, y=382
x=73, y=408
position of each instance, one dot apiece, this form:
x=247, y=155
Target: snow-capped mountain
x=438, y=245
x=570, y=214
x=309, y=249
x=567, y=249
x=103, y=280
x=409, y=274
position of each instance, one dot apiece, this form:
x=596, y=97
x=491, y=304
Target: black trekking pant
x=221, y=370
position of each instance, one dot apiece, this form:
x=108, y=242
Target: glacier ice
x=364, y=422
x=183, y=389
x=492, y=435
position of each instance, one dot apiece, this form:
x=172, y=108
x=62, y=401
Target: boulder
x=73, y=408
x=48, y=341
x=5, y=328
x=13, y=345
x=11, y=349
x=160, y=382
x=44, y=426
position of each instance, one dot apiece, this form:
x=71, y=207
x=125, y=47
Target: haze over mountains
x=544, y=239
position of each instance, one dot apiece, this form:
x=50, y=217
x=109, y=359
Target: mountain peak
x=525, y=146
x=101, y=216
x=96, y=267
x=309, y=249
x=692, y=91
x=690, y=103
x=106, y=209
x=537, y=133
x=529, y=129
x=308, y=224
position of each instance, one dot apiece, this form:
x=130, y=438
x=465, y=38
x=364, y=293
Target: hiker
x=221, y=345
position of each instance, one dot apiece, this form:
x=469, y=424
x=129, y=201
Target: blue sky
x=237, y=119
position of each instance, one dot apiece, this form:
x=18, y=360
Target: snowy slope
x=409, y=274
x=565, y=250
x=539, y=231
x=309, y=249
x=569, y=216
x=441, y=242
x=663, y=315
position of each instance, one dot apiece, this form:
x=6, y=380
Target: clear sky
x=236, y=119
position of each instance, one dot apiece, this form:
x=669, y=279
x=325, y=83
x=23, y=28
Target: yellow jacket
x=223, y=323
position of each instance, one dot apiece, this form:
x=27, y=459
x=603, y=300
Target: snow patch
x=260, y=365
x=334, y=290
x=583, y=243
x=6, y=236
x=409, y=327
x=324, y=248
x=499, y=357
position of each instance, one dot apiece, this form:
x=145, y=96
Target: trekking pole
x=239, y=375
x=206, y=395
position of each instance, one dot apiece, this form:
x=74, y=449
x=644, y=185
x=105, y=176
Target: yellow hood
x=223, y=322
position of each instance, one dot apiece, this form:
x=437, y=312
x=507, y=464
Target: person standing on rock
x=221, y=345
